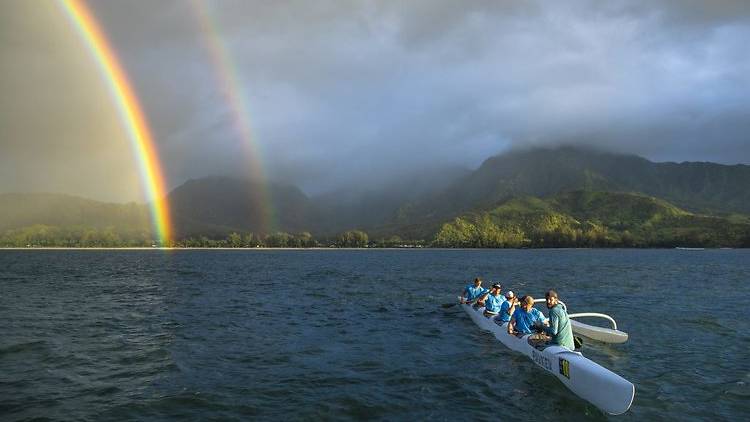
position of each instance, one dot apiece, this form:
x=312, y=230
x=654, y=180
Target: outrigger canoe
x=587, y=379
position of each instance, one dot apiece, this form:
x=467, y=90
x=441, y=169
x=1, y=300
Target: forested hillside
x=697, y=187
x=592, y=219
x=64, y=220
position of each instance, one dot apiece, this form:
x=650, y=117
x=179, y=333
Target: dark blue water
x=237, y=335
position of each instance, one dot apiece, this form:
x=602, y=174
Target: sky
x=347, y=93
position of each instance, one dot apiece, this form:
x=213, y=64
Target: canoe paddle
x=450, y=305
x=577, y=343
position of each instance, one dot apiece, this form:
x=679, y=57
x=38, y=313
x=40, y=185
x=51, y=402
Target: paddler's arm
x=512, y=325
x=540, y=322
x=512, y=307
x=465, y=295
x=554, y=325
x=482, y=297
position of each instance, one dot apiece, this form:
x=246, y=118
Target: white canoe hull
x=592, y=382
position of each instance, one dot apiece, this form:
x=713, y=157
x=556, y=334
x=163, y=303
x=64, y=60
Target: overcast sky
x=344, y=91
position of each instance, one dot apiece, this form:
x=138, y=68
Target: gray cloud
x=346, y=92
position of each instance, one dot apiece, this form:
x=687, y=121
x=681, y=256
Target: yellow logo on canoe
x=565, y=368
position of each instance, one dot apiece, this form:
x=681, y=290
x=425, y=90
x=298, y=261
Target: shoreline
x=146, y=248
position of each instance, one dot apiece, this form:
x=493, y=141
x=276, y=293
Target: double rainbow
x=129, y=111
x=232, y=90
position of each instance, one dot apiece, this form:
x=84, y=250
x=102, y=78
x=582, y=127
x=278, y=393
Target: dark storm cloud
x=345, y=92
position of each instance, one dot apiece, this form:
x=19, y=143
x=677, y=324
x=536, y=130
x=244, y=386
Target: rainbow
x=232, y=89
x=129, y=111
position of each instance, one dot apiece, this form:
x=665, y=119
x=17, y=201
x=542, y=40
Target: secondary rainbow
x=232, y=91
x=129, y=111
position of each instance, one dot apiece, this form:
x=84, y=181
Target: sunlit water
x=103, y=335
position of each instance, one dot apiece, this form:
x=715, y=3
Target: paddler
x=472, y=292
x=559, y=329
x=507, y=308
x=492, y=301
x=526, y=317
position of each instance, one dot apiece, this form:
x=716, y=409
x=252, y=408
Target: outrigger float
x=587, y=379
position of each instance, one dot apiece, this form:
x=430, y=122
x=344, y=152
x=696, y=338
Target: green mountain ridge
x=591, y=219
x=565, y=197
x=698, y=187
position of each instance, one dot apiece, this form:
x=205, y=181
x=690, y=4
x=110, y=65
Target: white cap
x=509, y=294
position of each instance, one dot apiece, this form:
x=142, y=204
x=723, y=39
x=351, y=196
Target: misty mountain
x=217, y=206
x=44, y=219
x=699, y=187
x=25, y=209
x=376, y=205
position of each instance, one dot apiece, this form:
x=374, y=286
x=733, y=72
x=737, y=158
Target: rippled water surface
x=334, y=334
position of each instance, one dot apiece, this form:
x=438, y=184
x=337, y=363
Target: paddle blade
x=577, y=342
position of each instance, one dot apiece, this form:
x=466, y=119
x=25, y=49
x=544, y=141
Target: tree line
x=110, y=237
x=462, y=232
x=554, y=232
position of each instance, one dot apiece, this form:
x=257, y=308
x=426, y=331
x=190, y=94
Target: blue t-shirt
x=474, y=292
x=493, y=303
x=525, y=320
x=504, y=317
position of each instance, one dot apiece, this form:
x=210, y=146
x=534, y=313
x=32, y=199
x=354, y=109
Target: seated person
x=526, y=317
x=492, y=300
x=507, y=308
x=472, y=292
x=559, y=329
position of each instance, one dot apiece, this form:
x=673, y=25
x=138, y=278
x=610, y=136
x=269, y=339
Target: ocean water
x=356, y=334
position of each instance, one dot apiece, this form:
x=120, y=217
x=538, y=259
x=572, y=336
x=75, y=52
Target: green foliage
x=278, y=240
x=482, y=233
x=458, y=234
x=591, y=219
x=234, y=240
x=392, y=241
x=40, y=235
x=250, y=240
x=352, y=239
